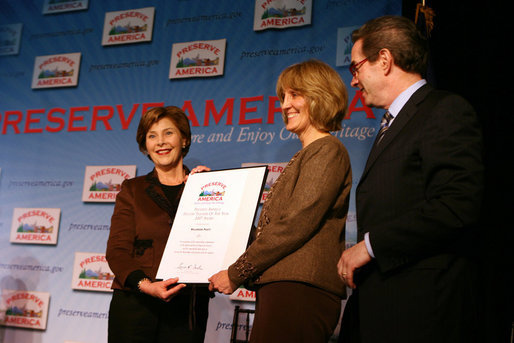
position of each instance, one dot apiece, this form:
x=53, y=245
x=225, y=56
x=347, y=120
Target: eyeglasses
x=354, y=67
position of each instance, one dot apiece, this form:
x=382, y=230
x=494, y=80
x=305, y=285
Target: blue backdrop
x=234, y=119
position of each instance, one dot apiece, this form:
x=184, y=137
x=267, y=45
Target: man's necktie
x=384, y=125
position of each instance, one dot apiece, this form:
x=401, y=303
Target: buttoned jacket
x=419, y=198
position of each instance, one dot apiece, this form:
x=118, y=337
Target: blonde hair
x=322, y=88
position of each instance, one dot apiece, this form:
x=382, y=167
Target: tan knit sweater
x=301, y=230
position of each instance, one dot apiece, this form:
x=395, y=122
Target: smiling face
x=368, y=78
x=164, y=144
x=295, y=110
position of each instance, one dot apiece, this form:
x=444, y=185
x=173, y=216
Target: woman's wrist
x=141, y=282
x=133, y=279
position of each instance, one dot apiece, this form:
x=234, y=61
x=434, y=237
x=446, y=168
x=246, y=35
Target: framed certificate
x=212, y=224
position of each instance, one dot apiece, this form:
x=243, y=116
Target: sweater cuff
x=133, y=279
x=233, y=276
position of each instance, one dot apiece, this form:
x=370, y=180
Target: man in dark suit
x=418, y=200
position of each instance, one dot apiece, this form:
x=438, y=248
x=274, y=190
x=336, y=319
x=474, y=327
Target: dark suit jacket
x=419, y=198
x=140, y=226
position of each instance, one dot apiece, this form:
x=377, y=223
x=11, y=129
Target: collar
x=404, y=96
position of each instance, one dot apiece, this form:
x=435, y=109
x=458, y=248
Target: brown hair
x=400, y=36
x=322, y=88
x=153, y=115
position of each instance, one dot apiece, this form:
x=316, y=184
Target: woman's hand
x=220, y=282
x=197, y=169
x=164, y=290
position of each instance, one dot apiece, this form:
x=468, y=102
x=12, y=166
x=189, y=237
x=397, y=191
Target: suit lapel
x=402, y=118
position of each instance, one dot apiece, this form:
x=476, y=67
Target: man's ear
x=386, y=60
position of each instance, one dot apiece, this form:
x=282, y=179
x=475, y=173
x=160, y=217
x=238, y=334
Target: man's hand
x=352, y=259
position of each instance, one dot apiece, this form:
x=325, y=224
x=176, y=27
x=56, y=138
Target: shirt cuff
x=368, y=245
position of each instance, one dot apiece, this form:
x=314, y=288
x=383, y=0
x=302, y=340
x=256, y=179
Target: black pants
x=138, y=318
x=294, y=312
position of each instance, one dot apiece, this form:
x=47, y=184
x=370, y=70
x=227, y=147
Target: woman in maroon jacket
x=143, y=309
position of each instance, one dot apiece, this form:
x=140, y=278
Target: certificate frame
x=213, y=222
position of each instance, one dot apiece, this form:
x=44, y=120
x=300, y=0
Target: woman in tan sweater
x=300, y=234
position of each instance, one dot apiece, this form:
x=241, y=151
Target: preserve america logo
x=281, y=14
x=344, y=45
x=10, y=36
x=128, y=26
x=25, y=309
x=243, y=294
x=103, y=183
x=212, y=192
x=197, y=59
x=91, y=272
x=59, y=6
x=35, y=225
x=56, y=71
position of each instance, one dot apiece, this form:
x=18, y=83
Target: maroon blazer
x=140, y=226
